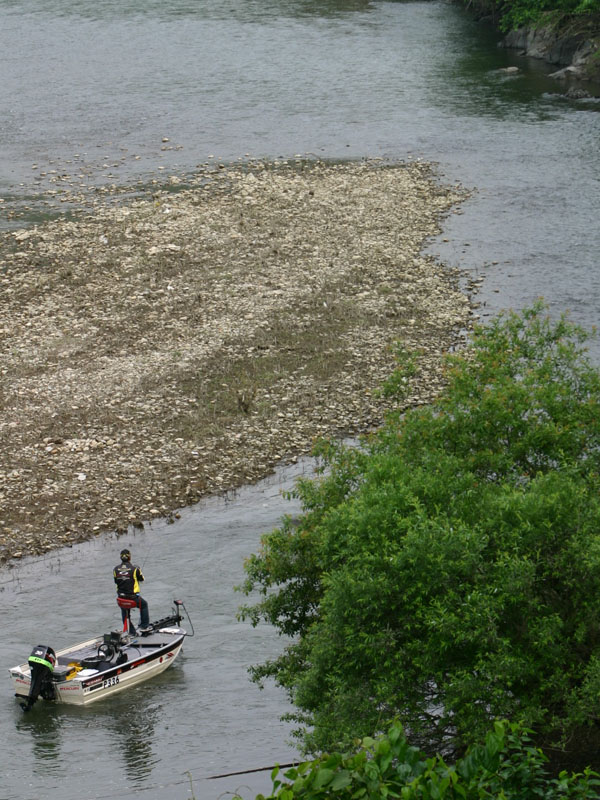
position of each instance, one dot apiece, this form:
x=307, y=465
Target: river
x=90, y=88
x=202, y=716
x=126, y=93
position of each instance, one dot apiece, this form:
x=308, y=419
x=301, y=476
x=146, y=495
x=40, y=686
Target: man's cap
x=125, y=555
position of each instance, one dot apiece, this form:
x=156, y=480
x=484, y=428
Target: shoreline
x=158, y=351
x=575, y=53
x=568, y=41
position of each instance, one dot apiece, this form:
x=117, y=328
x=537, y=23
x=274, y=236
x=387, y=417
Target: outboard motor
x=41, y=663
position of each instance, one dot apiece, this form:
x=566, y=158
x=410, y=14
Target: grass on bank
x=570, y=18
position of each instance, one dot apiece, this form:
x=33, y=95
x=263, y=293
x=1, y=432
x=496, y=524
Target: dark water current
x=100, y=92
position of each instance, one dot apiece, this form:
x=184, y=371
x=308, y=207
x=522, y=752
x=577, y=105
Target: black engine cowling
x=41, y=663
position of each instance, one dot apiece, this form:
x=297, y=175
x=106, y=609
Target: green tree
x=447, y=574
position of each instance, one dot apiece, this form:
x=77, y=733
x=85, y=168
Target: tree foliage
x=569, y=15
x=506, y=766
x=447, y=573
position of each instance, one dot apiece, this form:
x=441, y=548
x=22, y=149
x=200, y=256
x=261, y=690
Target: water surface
x=202, y=715
x=91, y=89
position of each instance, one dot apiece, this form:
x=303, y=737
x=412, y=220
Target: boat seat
x=127, y=603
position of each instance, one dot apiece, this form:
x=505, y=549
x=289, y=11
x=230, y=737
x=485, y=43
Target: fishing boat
x=102, y=666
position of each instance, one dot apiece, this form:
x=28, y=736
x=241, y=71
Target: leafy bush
x=507, y=766
x=520, y=13
x=514, y=14
x=448, y=573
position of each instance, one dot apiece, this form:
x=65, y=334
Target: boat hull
x=145, y=658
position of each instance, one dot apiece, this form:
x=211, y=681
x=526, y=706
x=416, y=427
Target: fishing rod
x=148, y=551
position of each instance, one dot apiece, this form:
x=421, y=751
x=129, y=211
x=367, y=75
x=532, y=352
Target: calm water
x=89, y=92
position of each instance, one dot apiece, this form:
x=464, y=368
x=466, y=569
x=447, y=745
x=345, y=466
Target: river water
x=107, y=92
x=203, y=715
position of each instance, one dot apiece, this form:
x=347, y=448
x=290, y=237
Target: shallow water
x=89, y=91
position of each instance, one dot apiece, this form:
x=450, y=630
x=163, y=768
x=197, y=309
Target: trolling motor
x=41, y=663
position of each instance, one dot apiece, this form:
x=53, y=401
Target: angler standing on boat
x=128, y=577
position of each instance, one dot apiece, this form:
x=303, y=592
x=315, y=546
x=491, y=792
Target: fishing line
x=148, y=551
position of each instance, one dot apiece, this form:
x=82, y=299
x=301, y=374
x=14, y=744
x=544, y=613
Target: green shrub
x=506, y=766
x=514, y=14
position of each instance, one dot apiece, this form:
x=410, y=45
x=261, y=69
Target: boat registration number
x=110, y=681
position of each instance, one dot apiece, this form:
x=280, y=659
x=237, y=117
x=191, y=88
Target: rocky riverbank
x=157, y=351
x=573, y=45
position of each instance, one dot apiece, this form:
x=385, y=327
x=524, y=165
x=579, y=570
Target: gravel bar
x=157, y=350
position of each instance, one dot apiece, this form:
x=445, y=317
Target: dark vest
x=124, y=578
